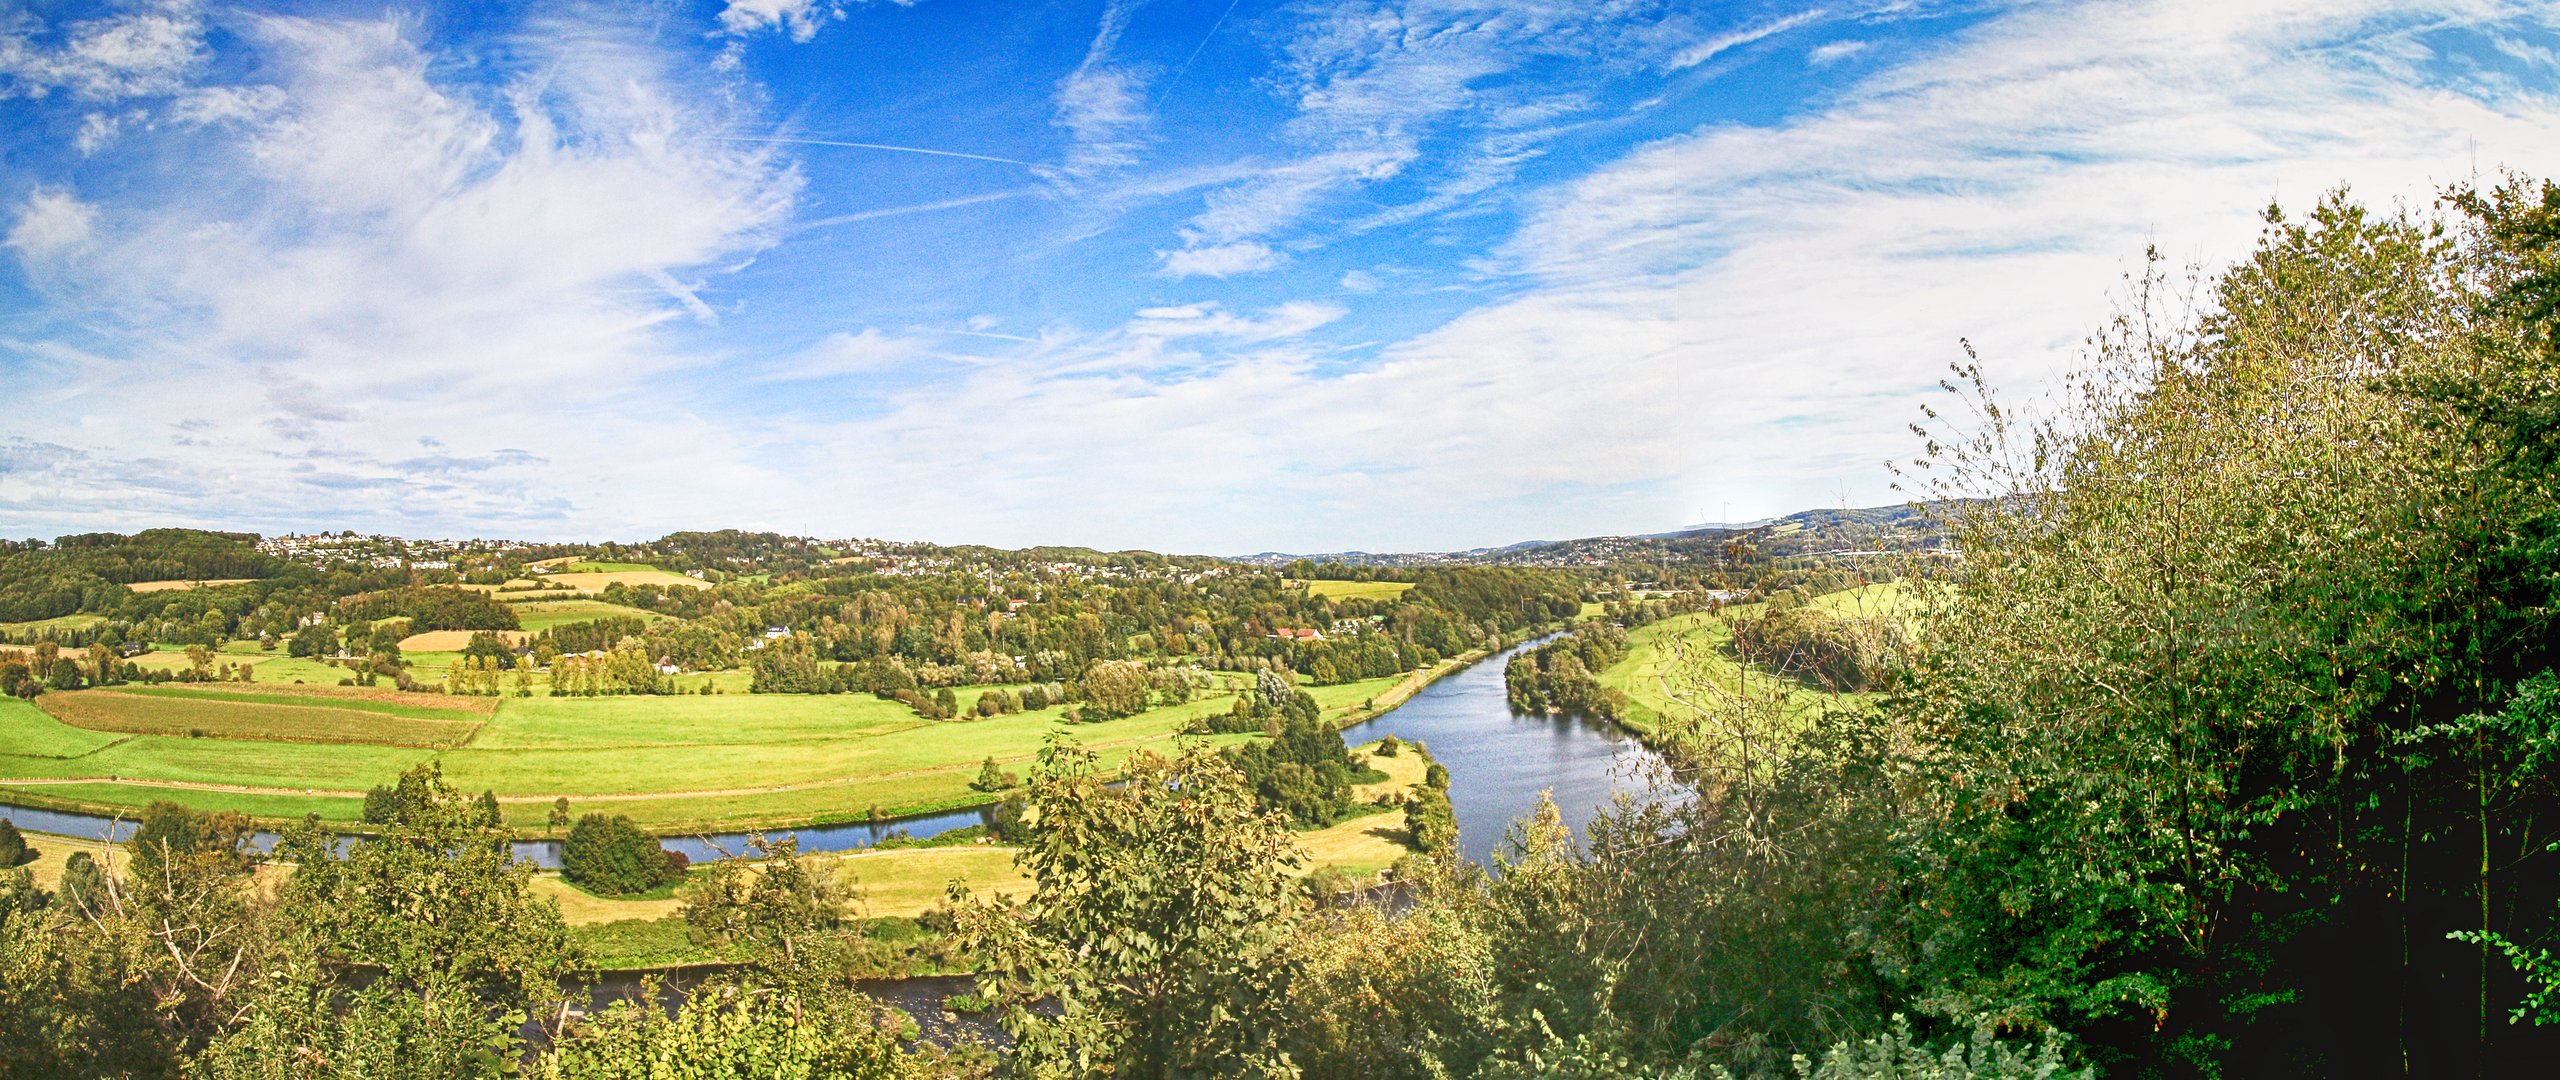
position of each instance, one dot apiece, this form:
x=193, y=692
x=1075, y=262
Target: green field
x=1685, y=657
x=1358, y=590
x=26, y=732
x=23, y=630
x=669, y=762
x=604, y=567
x=541, y=615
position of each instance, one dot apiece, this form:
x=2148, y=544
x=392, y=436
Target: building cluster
x=323, y=550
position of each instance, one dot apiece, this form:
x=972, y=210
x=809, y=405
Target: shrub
x=13, y=847
x=608, y=854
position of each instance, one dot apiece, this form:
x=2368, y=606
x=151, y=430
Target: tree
x=991, y=778
x=417, y=953
x=13, y=847
x=609, y=855
x=1153, y=925
x=1114, y=688
x=559, y=818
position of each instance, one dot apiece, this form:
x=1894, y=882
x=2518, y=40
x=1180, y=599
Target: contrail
x=919, y=208
x=1167, y=88
x=879, y=146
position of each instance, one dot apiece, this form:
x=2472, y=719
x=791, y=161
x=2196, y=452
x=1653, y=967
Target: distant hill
x=1806, y=534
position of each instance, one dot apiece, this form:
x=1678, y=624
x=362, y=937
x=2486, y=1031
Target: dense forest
x=2223, y=750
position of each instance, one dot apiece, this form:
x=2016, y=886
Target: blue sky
x=1192, y=275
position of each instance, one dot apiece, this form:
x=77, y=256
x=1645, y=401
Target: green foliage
x=1305, y=772
x=84, y=884
x=723, y=1031
x=608, y=855
x=87, y=572
x=1563, y=675
x=13, y=847
x=431, y=609
x=416, y=953
x=1114, y=688
x=1825, y=651
x=991, y=778
x=1154, y=924
x=1897, y=1055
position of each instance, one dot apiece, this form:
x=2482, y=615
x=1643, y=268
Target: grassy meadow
x=1686, y=656
x=671, y=763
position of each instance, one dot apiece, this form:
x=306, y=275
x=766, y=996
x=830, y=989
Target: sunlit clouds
x=1390, y=275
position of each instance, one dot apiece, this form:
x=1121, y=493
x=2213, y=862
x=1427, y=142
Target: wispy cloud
x=1377, y=86
x=1456, y=288
x=1730, y=40
x=1102, y=104
x=382, y=245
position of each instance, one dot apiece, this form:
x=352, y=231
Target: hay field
x=1357, y=590
x=168, y=586
x=258, y=717
x=595, y=582
x=454, y=641
x=540, y=615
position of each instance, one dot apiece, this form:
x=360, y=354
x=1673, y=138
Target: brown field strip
x=456, y=640
x=166, y=586
x=136, y=714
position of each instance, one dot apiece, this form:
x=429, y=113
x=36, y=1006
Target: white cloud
x=50, y=224
x=1831, y=53
x=798, y=18
x=1725, y=42
x=227, y=104
x=1296, y=318
x=1731, y=323
x=1416, y=91
x=371, y=256
x=1224, y=260
x=1100, y=104
x=134, y=54
x=866, y=353
x=96, y=131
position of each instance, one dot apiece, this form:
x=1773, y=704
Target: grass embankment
x=1690, y=656
x=28, y=631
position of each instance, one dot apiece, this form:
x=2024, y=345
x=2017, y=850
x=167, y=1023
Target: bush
x=13, y=847
x=991, y=778
x=609, y=855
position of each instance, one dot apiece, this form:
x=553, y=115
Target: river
x=1498, y=762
